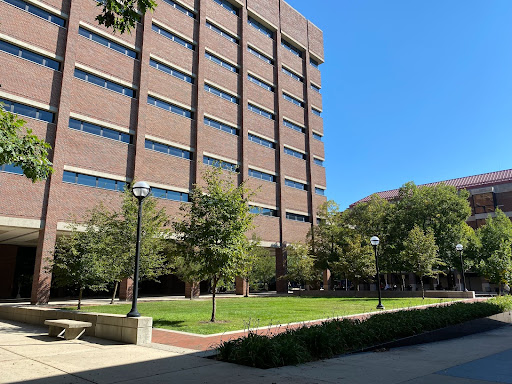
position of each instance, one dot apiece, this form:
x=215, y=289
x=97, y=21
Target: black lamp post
x=140, y=190
x=375, y=242
x=459, y=248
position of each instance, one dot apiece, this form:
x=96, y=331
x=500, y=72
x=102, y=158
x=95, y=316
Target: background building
x=194, y=83
x=487, y=192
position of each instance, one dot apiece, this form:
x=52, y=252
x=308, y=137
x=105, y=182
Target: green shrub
x=338, y=336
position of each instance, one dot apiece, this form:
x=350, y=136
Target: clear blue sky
x=413, y=90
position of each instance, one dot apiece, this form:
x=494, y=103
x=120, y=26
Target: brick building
x=196, y=82
x=487, y=192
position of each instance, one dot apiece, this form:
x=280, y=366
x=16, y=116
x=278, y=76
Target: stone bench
x=71, y=329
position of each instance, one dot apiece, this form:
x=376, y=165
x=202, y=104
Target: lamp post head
x=141, y=190
x=374, y=240
x=459, y=247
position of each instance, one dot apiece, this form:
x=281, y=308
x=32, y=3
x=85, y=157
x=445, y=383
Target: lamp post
x=140, y=190
x=375, y=242
x=459, y=248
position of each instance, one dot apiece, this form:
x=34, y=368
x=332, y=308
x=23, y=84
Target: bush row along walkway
x=210, y=342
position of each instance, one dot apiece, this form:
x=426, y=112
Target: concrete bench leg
x=73, y=333
x=54, y=331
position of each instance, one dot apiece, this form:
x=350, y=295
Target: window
x=228, y=6
x=171, y=71
x=107, y=43
x=292, y=75
x=293, y=126
x=262, y=84
x=219, y=163
x=169, y=107
x=218, y=92
x=293, y=100
x=262, y=175
x=296, y=51
x=100, y=131
x=25, y=110
x=168, y=150
x=93, y=181
x=37, y=12
x=320, y=191
x=314, y=63
x=260, y=141
x=316, y=112
x=223, y=127
x=316, y=136
x=263, y=211
x=315, y=88
x=261, y=112
x=181, y=9
x=96, y=80
x=221, y=62
x=319, y=220
x=297, y=217
x=260, y=27
x=169, y=195
x=10, y=168
x=261, y=56
x=29, y=55
x=173, y=37
x=293, y=153
x=318, y=162
x=221, y=32
x=295, y=184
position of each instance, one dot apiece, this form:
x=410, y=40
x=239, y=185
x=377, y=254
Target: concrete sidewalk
x=28, y=355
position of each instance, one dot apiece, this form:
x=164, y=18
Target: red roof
x=467, y=182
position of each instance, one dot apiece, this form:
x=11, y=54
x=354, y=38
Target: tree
x=24, y=150
x=263, y=268
x=496, y=239
x=301, y=265
x=357, y=262
x=78, y=261
x=122, y=15
x=421, y=252
x=212, y=231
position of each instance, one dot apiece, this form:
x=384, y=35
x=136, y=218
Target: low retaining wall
x=131, y=330
x=388, y=294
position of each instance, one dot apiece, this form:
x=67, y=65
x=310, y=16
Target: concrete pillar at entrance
x=281, y=268
x=192, y=290
x=241, y=286
x=126, y=290
x=327, y=280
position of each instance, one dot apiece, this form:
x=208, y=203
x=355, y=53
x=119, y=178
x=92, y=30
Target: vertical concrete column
x=327, y=279
x=192, y=290
x=241, y=286
x=41, y=282
x=126, y=290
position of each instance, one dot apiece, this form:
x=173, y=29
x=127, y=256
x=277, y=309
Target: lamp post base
x=133, y=313
x=380, y=306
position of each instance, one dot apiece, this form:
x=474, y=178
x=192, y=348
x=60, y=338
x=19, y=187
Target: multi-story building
x=194, y=83
x=487, y=192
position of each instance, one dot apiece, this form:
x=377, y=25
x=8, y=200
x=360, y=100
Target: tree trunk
x=246, y=287
x=116, y=284
x=80, y=298
x=422, y=288
x=214, y=304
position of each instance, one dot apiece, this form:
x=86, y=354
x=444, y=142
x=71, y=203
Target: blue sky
x=413, y=91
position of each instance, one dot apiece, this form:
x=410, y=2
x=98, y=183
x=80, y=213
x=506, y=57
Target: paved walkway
x=28, y=355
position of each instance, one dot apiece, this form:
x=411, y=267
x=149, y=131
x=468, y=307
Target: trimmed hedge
x=339, y=336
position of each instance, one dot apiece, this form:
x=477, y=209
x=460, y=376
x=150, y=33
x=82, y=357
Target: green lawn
x=238, y=313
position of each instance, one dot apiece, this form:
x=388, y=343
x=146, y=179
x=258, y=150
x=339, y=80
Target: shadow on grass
x=162, y=323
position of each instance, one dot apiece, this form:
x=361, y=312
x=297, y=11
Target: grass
x=240, y=313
